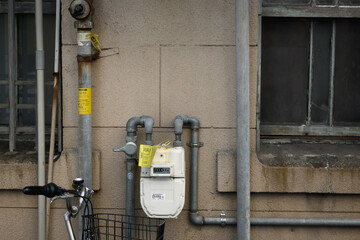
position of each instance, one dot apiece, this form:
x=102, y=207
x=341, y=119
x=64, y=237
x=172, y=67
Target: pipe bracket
x=195, y=145
x=223, y=218
x=87, y=58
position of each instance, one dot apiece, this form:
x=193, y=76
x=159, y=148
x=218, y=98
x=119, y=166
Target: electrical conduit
x=40, y=66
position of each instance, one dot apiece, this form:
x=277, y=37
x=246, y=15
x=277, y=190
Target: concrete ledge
x=16, y=175
x=287, y=179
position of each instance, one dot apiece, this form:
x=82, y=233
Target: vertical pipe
x=84, y=107
x=332, y=73
x=53, y=113
x=12, y=74
x=40, y=66
x=243, y=119
x=308, y=120
x=130, y=180
x=57, y=37
x=194, y=171
x=258, y=100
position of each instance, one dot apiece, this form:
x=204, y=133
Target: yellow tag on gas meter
x=146, y=155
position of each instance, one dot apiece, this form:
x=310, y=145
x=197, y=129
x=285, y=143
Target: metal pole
x=53, y=114
x=12, y=74
x=40, y=66
x=243, y=119
x=84, y=110
x=84, y=107
x=81, y=10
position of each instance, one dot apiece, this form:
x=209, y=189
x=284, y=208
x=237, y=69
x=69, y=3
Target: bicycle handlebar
x=49, y=190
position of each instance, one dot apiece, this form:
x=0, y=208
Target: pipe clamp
x=195, y=145
x=223, y=218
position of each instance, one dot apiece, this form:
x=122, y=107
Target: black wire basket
x=117, y=226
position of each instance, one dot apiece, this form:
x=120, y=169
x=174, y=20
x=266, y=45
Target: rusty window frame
x=311, y=10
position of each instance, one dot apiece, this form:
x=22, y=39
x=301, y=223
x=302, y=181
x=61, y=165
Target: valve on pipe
x=80, y=9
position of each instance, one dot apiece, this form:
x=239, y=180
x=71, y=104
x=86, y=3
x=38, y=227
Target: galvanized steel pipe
x=85, y=112
x=40, y=66
x=131, y=129
x=130, y=153
x=81, y=10
x=318, y=222
x=242, y=119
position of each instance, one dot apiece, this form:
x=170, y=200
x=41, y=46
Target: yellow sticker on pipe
x=95, y=41
x=146, y=155
x=84, y=101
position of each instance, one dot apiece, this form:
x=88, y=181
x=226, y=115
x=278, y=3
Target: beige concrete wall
x=164, y=58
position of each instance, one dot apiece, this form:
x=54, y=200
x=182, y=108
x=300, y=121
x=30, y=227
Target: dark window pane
x=325, y=2
x=321, y=71
x=27, y=94
x=4, y=94
x=347, y=72
x=284, y=70
x=26, y=64
x=26, y=117
x=49, y=46
x=4, y=63
x=26, y=47
x=286, y=2
x=350, y=2
x=4, y=119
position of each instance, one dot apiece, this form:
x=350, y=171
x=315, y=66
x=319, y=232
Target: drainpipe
x=40, y=66
x=242, y=120
x=82, y=11
x=130, y=150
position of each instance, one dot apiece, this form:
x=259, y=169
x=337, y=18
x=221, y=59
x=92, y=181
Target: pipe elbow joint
x=144, y=121
x=148, y=123
x=194, y=123
x=196, y=219
x=131, y=125
x=180, y=120
x=178, y=125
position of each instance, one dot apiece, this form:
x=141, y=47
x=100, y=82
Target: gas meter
x=162, y=185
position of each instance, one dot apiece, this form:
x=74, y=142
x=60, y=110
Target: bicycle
x=96, y=226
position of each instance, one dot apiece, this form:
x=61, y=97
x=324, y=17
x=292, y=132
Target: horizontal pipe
x=318, y=222
x=309, y=222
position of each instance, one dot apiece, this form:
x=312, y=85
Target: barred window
x=310, y=69
x=18, y=72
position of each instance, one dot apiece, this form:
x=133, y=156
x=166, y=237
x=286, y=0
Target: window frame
x=310, y=11
x=13, y=8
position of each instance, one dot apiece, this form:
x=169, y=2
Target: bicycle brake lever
x=66, y=195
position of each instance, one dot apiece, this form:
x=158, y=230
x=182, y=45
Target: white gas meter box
x=162, y=186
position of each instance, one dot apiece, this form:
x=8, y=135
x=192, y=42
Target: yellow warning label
x=95, y=41
x=84, y=101
x=146, y=154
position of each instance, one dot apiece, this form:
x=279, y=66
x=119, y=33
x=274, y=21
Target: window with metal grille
x=18, y=72
x=309, y=81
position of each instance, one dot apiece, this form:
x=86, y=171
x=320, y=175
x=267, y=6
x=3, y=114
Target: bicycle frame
x=72, y=210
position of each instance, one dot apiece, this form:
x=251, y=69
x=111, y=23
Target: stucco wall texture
x=163, y=58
